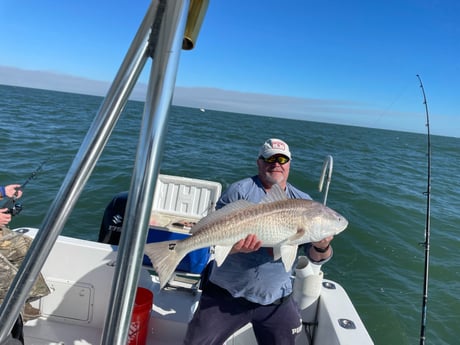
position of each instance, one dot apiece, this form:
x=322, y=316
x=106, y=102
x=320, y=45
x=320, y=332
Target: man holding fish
x=253, y=283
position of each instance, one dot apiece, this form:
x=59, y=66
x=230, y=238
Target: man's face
x=272, y=171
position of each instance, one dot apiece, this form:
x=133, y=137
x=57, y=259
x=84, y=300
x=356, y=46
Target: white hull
x=79, y=274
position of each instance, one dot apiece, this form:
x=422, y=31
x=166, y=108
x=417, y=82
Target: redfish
x=277, y=221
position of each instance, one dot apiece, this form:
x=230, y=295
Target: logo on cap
x=278, y=145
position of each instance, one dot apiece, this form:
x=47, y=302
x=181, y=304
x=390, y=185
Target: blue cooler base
x=193, y=262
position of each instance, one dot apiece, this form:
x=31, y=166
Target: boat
x=105, y=294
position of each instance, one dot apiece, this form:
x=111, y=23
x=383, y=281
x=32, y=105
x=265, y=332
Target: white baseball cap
x=274, y=147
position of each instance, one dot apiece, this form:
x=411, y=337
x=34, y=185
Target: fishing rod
x=13, y=207
x=426, y=244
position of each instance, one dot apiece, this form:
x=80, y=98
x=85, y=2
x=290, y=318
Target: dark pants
x=219, y=315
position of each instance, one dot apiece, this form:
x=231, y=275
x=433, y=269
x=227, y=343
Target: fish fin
x=278, y=250
x=165, y=258
x=297, y=236
x=222, y=212
x=221, y=253
x=276, y=193
x=277, y=253
x=288, y=255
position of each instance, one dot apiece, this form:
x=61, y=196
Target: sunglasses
x=273, y=159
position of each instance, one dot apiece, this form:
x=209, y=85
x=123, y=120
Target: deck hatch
x=69, y=301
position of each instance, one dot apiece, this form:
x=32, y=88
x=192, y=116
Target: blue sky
x=351, y=62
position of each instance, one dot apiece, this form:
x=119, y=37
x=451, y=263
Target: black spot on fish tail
x=171, y=246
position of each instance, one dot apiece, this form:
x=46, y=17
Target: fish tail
x=165, y=258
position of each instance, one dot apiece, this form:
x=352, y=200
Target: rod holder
x=196, y=13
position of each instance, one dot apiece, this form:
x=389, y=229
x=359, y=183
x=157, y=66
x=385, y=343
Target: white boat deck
x=74, y=312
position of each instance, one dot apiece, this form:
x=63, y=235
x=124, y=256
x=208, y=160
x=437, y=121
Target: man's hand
x=5, y=218
x=247, y=245
x=13, y=191
x=323, y=243
x=324, y=250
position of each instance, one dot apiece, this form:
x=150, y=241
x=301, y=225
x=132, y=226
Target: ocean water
x=378, y=183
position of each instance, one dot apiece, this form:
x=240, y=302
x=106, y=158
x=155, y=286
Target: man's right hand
x=247, y=245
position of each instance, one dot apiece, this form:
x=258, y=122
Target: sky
x=349, y=62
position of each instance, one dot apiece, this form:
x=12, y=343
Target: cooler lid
x=185, y=197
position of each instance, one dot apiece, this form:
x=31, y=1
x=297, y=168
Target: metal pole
x=149, y=152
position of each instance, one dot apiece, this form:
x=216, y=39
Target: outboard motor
x=112, y=221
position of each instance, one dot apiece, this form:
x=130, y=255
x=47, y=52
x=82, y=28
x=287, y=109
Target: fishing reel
x=11, y=205
x=14, y=210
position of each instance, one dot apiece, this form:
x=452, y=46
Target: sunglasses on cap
x=275, y=159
